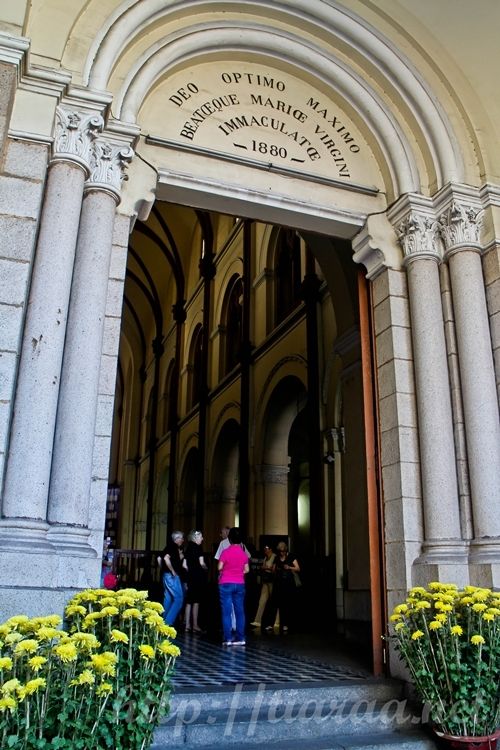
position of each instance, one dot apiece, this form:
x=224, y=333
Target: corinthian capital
x=108, y=163
x=419, y=237
x=460, y=226
x=75, y=133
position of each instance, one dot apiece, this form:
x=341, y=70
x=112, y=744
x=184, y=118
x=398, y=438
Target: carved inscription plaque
x=264, y=115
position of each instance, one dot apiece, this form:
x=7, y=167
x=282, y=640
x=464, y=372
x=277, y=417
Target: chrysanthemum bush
x=101, y=682
x=450, y=642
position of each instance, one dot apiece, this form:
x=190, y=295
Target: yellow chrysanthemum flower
x=494, y=611
x=169, y=649
x=104, y=663
x=28, y=646
x=416, y=635
x=51, y=621
x=13, y=637
x=479, y=607
x=17, y=620
x=109, y=611
x=488, y=616
x=168, y=631
x=46, y=633
x=422, y=604
x=466, y=600
x=66, y=652
x=395, y=618
x=87, y=677
x=33, y=685
x=147, y=651
x=5, y=662
x=75, y=609
x=435, y=625
x=457, y=630
x=401, y=609
x=10, y=686
x=110, y=601
x=105, y=688
x=86, y=641
x=118, y=637
x=133, y=612
x=37, y=662
x=441, y=617
x=477, y=640
x=8, y=704
x=156, y=607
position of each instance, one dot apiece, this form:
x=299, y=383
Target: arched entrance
x=278, y=396
x=331, y=119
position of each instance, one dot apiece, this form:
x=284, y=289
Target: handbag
x=296, y=579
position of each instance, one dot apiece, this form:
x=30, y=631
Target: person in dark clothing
x=286, y=570
x=197, y=580
x=172, y=566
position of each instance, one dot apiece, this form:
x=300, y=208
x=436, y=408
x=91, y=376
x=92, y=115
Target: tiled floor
x=299, y=658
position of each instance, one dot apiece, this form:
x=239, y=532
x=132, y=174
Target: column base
x=37, y=575
x=484, y=561
x=70, y=540
x=444, y=560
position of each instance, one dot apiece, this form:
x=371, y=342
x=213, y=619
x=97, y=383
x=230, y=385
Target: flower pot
x=470, y=743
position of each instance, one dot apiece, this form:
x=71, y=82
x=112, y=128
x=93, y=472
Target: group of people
x=184, y=575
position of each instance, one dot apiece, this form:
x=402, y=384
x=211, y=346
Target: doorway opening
x=240, y=402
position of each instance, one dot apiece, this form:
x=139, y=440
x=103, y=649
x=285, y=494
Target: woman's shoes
x=255, y=624
x=269, y=629
x=187, y=629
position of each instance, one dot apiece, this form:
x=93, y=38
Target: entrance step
x=360, y=715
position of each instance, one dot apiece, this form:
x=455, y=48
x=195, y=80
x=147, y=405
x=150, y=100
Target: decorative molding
x=272, y=474
x=75, y=133
x=376, y=246
x=460, y=227
x=108, y=163
x=13, y=50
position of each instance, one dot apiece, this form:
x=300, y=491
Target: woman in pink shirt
x=233, y=564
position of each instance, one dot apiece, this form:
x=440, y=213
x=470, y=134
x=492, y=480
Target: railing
x=136, y=568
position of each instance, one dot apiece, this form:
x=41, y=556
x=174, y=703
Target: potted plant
x=449, y=639
x=101, y=682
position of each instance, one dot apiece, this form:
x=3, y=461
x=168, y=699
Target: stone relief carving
x=460, y=224
x=75, y=133
x=108, y=164
x=418, y=234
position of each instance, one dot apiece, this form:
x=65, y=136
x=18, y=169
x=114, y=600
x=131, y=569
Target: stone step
x=396, y=741
x=360, y=713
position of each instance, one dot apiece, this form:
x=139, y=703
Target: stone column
x=460, y=227
x=443, y=547
x=78, y=395
x=275, y=498
x=28, y=469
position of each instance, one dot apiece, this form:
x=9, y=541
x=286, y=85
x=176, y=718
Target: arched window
x=196, y=366
x=232, y=324
x=287, y=273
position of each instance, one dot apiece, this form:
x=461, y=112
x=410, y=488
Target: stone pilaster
x=460, y=217
x=32, y=434
x=78, y=395
x=444, y=552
